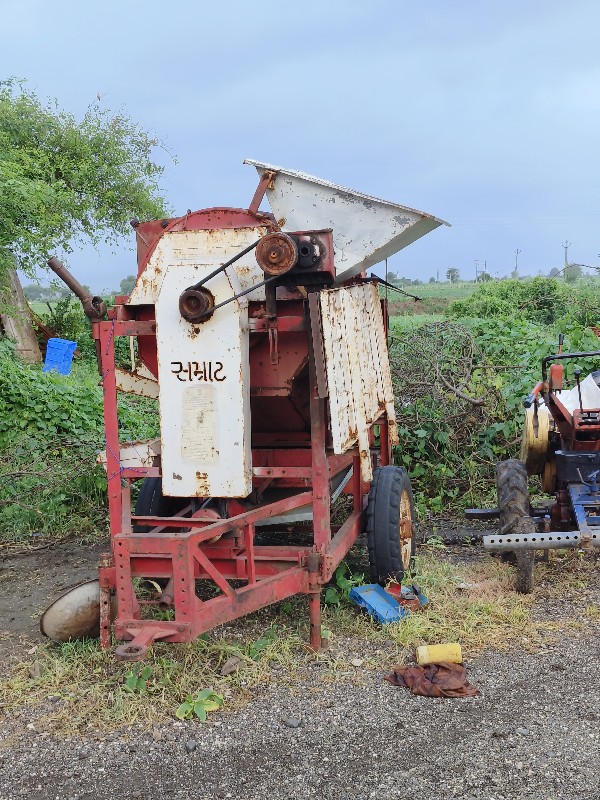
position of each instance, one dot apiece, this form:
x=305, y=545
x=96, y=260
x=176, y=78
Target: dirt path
x=29, y=582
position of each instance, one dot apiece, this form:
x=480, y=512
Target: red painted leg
x=314, y=613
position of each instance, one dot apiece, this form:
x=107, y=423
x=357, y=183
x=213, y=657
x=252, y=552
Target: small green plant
x=345, y=580
x=435, y=542
x=199, y=705
x=256, y=649
x=136, y=680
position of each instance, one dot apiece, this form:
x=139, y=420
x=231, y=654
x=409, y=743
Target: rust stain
x=202, y=485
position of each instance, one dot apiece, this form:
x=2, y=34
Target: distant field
x=434, y=298
x=449, y=291
x=38, y=308
x=405, y=322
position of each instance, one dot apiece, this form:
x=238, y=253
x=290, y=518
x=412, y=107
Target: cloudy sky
x=486, y=114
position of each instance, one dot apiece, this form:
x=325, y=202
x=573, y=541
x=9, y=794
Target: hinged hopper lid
x=366, y=230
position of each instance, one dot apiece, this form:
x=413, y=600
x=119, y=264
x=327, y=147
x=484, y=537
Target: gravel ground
x=533, y=733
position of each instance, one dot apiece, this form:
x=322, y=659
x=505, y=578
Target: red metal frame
x=183, y=549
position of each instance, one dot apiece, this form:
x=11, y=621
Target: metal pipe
x=314, y=615
x=93, y=307
x=561, y=356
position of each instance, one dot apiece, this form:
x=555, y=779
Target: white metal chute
x=366, y=230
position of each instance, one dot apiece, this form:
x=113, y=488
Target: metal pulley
x=196, y=304
x=276, y=253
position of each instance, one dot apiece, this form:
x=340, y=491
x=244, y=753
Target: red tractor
x=561, y=444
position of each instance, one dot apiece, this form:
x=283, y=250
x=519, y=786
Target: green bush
x=52, y=406
x=541, y=300
x=51, y=429
x=449, y=444
x=545, y=301
x=66, y=319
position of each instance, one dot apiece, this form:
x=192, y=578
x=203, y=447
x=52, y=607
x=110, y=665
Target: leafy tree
x=432, y=279
x=453, y=275
x=127, y=284
x=62, y=178
x=554, y=272
x=572, y=273
x=35, y=292
x=484, y=277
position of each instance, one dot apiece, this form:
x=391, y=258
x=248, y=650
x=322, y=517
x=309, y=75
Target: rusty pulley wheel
x=195, y=305
x=276, y=253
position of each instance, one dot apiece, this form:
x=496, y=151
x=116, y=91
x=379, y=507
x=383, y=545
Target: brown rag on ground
x=434, y=680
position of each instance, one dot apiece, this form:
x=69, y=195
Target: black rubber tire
x=390, y=504
x=152, y=503
x=514, y=507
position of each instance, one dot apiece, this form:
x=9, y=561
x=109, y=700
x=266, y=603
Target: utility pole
x=476, y=269
x=566, y=246
x=517, y=251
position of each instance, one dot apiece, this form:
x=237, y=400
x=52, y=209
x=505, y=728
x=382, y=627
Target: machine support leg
x=313, y=564
x=384, y=444
x=314, y=614
x=357, y=496
x=320, y=466
x=103, y=575
x=111, y=425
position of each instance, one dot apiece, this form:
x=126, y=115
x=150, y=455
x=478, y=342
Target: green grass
x=447, y=291
x=434, y=298
x=408, y=322
x=39, y=307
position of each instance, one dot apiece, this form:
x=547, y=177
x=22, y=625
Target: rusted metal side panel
x=135, y=454
x=136, y=383
x=357, y=366
x=378, y=330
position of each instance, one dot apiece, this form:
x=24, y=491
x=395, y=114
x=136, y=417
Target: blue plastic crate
x=380, y=605
x=59, y=355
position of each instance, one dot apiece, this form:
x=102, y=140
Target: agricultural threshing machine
x=264, y=342
x=561, y=444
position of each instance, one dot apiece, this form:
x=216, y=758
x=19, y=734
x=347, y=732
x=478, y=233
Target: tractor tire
x=513, y=503
x=535, y=444
x=152, y=503
x=390, y=525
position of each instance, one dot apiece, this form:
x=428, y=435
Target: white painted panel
x=203, y=375
x=357, y=366
x=208, y=248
